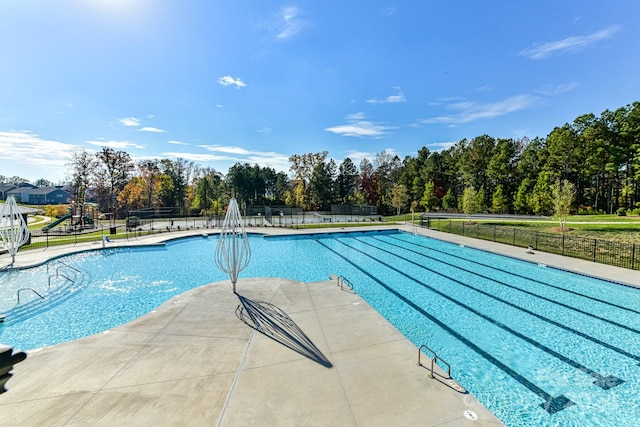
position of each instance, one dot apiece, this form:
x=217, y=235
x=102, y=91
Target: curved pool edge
x=38, y=257
x=147, y=370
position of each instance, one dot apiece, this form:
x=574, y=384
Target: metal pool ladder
x=343, y=281
x=434, y=360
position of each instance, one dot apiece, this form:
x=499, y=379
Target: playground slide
x=56, y=222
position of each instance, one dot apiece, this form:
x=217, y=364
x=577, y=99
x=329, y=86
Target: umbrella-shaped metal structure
x=233, y=252
x=13, y=228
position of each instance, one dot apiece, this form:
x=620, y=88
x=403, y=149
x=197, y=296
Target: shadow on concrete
x=271, y=321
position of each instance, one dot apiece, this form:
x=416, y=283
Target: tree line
x=599, y=156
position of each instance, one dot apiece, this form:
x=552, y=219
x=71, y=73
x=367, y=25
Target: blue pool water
x=537, y=346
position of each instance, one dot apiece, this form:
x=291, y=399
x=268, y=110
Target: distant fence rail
x=601, y=251
x=165, y=221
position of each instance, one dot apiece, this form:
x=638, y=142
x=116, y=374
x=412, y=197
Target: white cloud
x=229, y=149
x=229, y=155
x=129, y=121
x=468, y=111
x=177, y=142
x=391, y=99
x=357, y=156
x=572, y=44
x=439, y=146
x=196, y=157
x=230, y=81
x=359, y=127
x=551, y=90
x=265, y=130
x=25, y=154
x=151, y=129
x=356, y=116
x=288, y=24
x=119, y=145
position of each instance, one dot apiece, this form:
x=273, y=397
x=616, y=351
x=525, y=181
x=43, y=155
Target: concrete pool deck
x=193, y=362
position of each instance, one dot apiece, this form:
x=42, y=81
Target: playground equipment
x=56, y=222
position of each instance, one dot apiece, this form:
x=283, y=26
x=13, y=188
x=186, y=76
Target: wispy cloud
x=230, y=81
x=357, y=156
x=360, y=127
x=552, y=90
x=391, y=99
x=151, y=129
x=439, y=146
x=129, y=121
x=468, y=111
x=572, y=44
x=265, y=130
x=196, y=157
x=177, y=142
x=289, y=23
x=388, y=11
x=25, y=154
x=227, y=155
x=228, y=149
x=284, y=24
x=120, y=145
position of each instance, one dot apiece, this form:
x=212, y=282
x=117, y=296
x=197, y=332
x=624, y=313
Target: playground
x=70, y=224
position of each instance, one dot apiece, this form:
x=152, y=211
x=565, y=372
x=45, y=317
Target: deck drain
x=470, y=415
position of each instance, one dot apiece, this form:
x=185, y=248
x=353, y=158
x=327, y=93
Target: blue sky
x=226, y=81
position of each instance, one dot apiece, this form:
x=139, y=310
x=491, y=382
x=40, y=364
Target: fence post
x=514, y=236
x=463, y=228
x=595, y=248
x=477, y=230
x=494, y=232
x=633, y=257
x=563, y=243
x=536, y=240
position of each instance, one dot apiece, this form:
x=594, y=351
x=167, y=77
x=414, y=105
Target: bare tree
x=113, y=170
x=563, y=195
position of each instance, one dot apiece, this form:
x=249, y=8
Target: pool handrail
x=434, y=360
x=342, y=281
x=28, y=289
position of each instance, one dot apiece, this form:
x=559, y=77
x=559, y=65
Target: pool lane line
x=604, y=382
x=560, y=288
x=509, y=303
x=551, y=404
x=567, y=306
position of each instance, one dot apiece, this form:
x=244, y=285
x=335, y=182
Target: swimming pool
x=537, y=346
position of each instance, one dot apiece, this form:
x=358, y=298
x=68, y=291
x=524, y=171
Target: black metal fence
x=149, y=222
x=602, y=251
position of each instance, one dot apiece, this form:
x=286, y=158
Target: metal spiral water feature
x=233, y=251
x=13, y=228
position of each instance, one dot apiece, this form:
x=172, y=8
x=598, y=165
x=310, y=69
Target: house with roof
x=21, y=194
x=48, y=196
x=4, y=188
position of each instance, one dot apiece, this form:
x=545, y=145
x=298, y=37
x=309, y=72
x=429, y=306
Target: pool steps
x=22, y=311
